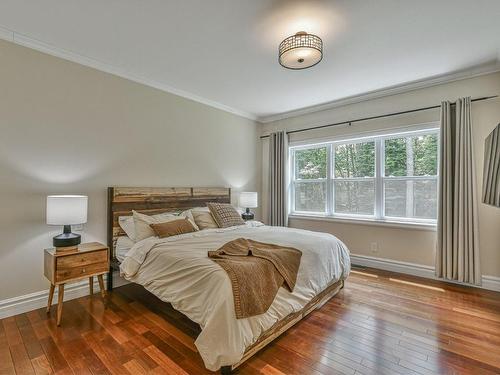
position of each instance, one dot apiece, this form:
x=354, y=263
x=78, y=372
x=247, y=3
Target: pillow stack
x=216, y=215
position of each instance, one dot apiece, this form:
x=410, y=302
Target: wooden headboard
x=155, y=200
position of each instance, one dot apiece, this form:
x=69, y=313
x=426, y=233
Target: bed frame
x=121, y=202
x=151, y=201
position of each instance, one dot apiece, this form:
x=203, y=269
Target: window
x=384, y=177
x=311, y=167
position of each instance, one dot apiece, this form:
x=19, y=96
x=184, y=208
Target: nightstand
x=89, y=260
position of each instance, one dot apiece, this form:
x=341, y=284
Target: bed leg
x=110, y=279
x=226, y=370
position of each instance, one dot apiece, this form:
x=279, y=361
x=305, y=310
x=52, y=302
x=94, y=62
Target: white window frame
x=379, y=176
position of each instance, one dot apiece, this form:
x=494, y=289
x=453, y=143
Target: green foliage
x=425, y=150
x=395, y=157
x=311, y=163
x=355, y=160
x=406, y=156
x=400, y=152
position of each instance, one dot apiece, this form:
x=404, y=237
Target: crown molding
x=38, y=45
x=388, y=91
x=29, y=42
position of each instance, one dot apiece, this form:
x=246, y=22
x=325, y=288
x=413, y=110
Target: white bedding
x=177, y=270
x=123, y=246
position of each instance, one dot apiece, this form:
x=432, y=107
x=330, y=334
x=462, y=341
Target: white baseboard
x=488, y=282
x=491, y=283
x=33, y=301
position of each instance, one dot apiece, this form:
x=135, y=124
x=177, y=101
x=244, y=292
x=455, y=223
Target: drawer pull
x=83, y=270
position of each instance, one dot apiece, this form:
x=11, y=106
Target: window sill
x=367, y=221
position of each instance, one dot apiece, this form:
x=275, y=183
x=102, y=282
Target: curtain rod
x=376, y=117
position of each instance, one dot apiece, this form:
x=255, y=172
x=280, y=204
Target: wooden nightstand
x=91, y=259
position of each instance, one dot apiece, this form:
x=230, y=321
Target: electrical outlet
x=374, y=247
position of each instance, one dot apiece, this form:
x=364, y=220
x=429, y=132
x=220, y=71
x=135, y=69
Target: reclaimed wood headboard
x=155, y=200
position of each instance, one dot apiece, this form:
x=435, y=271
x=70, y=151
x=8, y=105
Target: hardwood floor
x=380, y=323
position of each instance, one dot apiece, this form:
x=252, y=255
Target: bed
x=177, y=270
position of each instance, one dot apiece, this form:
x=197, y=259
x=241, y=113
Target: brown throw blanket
x=257, y=270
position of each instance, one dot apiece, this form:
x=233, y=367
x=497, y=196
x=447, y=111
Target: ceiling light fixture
x=300, y=51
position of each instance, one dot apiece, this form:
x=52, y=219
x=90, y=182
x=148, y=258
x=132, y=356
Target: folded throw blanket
x=257, y=270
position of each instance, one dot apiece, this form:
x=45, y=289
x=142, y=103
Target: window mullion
x=329, y=182
x=291, y=196
x=409, y=172
x=379, y=182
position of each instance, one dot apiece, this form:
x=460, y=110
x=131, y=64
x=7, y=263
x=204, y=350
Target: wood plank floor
x=380, y=323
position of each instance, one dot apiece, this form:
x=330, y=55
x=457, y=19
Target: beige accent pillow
x=142, y=223
x=225, y=215
x=173, y=228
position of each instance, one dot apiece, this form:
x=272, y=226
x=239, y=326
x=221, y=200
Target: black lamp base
x=67, y=239
x=247, y=215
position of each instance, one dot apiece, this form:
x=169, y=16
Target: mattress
x=177, y=270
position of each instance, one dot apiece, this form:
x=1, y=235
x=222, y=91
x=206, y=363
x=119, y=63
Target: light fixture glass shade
x=248, y=199
x=66, y=209
x=300, y=51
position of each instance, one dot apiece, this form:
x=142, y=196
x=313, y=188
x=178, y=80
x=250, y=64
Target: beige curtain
x=457, y=255
x=491, y=175
x=278, y=163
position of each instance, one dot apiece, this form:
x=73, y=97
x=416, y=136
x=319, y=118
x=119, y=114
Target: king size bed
x=177, y=270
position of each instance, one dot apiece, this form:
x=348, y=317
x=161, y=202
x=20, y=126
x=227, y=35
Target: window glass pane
x=355, y=197
x=411, y=156
x=395, y=157
x=310, y=196
x=425, y=155
x=310, y=163
x=395, y=198
x=355, y=160
x=425, y=199
x=411, y=198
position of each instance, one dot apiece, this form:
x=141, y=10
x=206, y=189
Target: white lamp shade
x=66, y=209
x=248, y=199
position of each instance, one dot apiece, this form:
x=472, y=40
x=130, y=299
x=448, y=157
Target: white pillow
x=189, y=215
x=127, y=224
x=201, y=217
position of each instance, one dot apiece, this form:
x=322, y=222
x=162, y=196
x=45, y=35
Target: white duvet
x=177, y=270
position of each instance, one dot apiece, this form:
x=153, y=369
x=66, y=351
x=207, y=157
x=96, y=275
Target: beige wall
x=407, y=245
x=65, y=128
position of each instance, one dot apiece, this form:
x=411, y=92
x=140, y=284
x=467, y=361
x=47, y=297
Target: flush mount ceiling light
x=300, y=51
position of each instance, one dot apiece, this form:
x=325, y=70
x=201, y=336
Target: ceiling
x=224, y=52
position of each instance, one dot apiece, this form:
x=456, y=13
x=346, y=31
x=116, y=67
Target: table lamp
x=248, y=199
x=66, y=210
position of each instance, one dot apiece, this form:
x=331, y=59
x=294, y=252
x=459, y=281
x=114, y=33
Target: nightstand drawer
x=81, y=271
x=77, y=260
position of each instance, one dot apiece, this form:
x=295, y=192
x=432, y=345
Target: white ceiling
x=224, y=52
